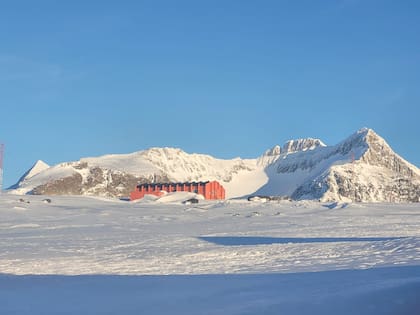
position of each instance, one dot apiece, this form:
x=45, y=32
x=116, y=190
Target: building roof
x=173, y=184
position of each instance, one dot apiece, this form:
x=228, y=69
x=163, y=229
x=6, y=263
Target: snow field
x=93, y=255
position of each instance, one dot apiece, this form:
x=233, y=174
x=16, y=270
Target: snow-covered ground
x=83, y=255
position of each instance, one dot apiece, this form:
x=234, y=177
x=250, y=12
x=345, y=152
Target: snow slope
x=86, y=255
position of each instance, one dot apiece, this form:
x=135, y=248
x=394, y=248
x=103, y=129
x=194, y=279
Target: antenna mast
x=1, y=166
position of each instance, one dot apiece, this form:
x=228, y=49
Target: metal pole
x=1, y=167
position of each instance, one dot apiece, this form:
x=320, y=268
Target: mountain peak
x=360, y=141
x=366, y=134
x=165, y=151
x=372, y=137
x=364, y=130
x=274, y=151
x=369, y=139
x=302, y=145
x=296, y=145
x=37, y=168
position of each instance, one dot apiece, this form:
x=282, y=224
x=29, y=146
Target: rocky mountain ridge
x=374, y=173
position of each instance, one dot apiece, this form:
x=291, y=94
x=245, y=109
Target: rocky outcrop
x=290, y=147
x=301, y=145
x=97, y=182
x=71, y=185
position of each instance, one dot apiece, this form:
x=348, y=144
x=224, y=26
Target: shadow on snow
x=391, y=290
x=257, y=240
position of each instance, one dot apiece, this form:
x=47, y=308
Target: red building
x=210, y=190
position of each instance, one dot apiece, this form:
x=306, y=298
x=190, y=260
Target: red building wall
x=210, y=190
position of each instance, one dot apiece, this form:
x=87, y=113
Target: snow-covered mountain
x=117, y=175
x=361, y=168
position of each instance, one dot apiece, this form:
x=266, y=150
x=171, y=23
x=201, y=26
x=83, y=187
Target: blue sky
x=227, y=78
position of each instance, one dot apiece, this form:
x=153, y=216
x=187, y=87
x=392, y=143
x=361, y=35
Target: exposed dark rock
x=71, y=185
x=100, y=182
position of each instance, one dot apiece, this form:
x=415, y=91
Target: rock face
x=292, y=146
x=301, y=145
x=362, y=168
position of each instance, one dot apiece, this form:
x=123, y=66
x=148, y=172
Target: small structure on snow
x=190, y=201
x=267, y=198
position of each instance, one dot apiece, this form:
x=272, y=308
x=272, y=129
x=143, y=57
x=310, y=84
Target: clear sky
x=227, y=78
